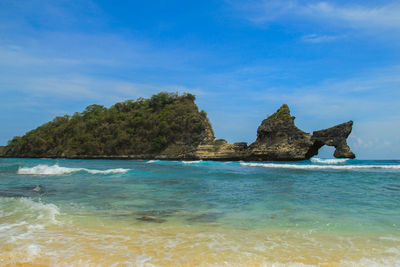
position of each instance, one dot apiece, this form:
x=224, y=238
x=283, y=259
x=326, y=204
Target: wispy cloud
x=379, y=17
x=49, y=14
x=88, y=89
x=103, y=67
x=17, y=56
x=316, y=38
x=371, y=94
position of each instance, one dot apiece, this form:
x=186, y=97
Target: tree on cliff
x=144, y=126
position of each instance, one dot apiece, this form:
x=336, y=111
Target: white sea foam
x=192, y=162
x=153, y=161
x=319, y=167
x=387, y=261
x=23, y=219
x=30, y=209
x=57, y=170
x=32, y=251
x=143, y=260
x=364, y=262
x=328, y=161
x=390, y=238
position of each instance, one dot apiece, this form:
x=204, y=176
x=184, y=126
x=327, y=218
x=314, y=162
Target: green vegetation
x=283, y=113
x=141, y=127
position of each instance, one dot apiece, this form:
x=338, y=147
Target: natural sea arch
x=326, y=152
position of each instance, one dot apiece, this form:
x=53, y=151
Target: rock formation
x=170, y=127
x=150, y=219
x=335, y=136
x=279, y=139
x=220, y=149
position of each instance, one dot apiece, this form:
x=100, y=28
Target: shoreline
x=135, y=157
x=197, y=246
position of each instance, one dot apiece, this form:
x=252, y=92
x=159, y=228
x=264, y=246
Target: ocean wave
x=57, y=170
x=28, y=211
x=319, y=167
x=22, y=223
x=153, y=161
x=192, y=162
x=328, y=161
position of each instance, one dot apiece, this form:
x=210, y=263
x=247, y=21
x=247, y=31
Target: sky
x=330, y=61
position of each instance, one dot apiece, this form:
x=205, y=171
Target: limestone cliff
x=208, y=133
x=220, y=149
x=335, y=136
x=278, y=139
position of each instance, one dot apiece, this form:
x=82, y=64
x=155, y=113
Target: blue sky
x=331, y=61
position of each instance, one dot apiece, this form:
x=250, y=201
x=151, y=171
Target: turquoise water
x=331, y=198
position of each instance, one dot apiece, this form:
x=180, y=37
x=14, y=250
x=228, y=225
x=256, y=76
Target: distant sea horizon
x=322, y=211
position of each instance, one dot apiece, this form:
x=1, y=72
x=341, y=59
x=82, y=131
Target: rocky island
x=170, y=126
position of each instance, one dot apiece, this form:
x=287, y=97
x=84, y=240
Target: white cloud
x=315, y=38
x=17, y=56
x=382, y=17
x=376, y=139
x=343, y=100
x=104, y=68
x=78, y=87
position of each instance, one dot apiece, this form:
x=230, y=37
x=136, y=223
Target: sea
x=318, y=212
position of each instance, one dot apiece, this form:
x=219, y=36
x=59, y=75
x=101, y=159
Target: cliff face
x=335, y=136
x=278, y=138
x=168, y=126
x=220, y=149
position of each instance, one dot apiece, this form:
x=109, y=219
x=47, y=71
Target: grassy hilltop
x=166, y=122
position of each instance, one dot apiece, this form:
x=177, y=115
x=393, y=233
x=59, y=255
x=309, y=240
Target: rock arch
x=335, y=136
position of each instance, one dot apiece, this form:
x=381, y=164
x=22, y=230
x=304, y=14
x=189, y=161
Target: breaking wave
x=192, y=162
x=328, y=161
x=26, y=213
x=319, y=167
x=57, y=170
x=23, y=221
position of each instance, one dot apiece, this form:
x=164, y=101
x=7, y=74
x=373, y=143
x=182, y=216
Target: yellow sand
x=97, y=243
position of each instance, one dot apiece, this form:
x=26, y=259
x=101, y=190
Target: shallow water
x=191, y=213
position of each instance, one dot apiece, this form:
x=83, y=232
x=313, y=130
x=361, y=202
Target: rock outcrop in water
x=168, y=126
x=335, y=136
x=279, y=139
x=150, y=219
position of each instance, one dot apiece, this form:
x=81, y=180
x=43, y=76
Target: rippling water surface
x=199, y=213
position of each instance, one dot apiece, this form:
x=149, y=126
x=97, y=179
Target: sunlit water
x=90, y=213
